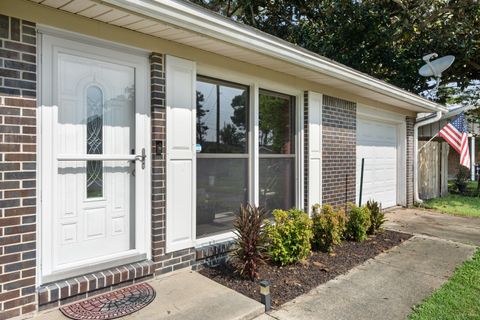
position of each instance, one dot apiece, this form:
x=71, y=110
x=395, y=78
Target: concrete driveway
x=418, y=221
x=388, y=286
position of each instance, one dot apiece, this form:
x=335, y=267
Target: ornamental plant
x=358, y=223
x=328, y=227
x=289, y=236
x=250, y=242
x=377, y=217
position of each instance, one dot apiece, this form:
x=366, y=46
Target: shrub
x=461, y=179
x=358, y=223
x=289, y=236
x=250, y=242
x=377, y=217
x=328, y=227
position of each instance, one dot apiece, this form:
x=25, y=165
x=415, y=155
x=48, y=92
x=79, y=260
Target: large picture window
x=222, y=154
x=276, y=150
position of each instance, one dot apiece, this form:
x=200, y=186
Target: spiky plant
x=250, y=242
x=377, y=217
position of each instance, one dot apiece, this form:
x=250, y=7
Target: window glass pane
x=276, y=147
x=206, y=115
x=222, y=163
x=222, y=185
x=221, y=118
x=277, y=183
x=276, y=126
x=94, y=141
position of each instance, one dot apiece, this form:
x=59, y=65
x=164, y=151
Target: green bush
x=289, y=236
x=328, y=227
x=250, y=243
x=377, y=217
x=358, y=223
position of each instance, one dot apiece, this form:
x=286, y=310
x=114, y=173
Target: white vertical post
x=472, y=157
x=314, y=149
x=254, y=131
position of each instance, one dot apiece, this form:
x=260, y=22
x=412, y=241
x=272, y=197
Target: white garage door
x=377, y=143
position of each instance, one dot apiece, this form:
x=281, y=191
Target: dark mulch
x=289, y=282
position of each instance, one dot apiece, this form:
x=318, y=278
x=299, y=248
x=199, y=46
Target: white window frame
x=256, y=84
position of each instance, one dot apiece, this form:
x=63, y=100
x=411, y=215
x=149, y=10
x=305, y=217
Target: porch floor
x=188, y=295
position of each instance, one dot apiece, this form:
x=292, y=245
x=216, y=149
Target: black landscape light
x=266, y=298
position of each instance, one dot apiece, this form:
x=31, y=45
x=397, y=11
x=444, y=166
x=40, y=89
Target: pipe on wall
x=434, y=117
x=473, y=154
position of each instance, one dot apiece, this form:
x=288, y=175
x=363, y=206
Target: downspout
x=420, y=123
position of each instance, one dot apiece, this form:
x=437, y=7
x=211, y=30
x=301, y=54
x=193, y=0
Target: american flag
x=456, y=134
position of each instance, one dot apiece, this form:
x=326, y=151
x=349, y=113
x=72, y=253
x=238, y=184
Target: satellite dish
x=436, y=67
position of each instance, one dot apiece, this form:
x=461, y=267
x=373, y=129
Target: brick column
x=410, y=179
x=164, y=262
x=339, y=120
x=158, y=161
x=17, y=167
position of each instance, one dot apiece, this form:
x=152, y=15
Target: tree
x=383, y=38
x=202, y=128
x=230, y=136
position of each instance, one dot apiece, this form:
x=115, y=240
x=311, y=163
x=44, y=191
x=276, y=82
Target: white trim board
x=315, y=149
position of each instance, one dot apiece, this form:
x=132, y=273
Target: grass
x=457, y=299
x=457, y=204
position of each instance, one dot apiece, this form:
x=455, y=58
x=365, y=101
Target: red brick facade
x=339, y=121
x=18, y=129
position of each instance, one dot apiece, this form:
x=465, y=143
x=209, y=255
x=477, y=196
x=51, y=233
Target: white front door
x=93, y=163
x=377, y=144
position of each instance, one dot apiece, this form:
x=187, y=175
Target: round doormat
x=112, y=305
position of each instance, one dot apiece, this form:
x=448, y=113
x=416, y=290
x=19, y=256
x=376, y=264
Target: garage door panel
x=377, y=143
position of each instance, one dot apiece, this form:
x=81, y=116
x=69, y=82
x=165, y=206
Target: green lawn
x=456, y=204
x=457, y=299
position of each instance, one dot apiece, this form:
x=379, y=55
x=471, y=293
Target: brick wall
x=306, y=155
x=17, y=166
x=339, y=120
x=410, y=121
x=164, y=262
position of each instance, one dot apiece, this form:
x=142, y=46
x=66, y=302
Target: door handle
x=142, y=158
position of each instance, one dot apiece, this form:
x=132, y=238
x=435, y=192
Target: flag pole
x=428, y=142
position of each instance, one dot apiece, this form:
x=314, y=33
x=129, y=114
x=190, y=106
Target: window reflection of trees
x=222, y=164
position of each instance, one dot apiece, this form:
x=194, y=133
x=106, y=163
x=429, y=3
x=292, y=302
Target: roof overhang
x=194, y=26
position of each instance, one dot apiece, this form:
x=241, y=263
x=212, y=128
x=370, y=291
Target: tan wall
x=205, y=60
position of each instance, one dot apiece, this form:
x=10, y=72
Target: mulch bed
x=289, y=282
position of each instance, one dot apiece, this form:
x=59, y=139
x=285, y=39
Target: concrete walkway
x=387, y=286
x=187, y=295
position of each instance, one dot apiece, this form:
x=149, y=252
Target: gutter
x=434, y=117
x=201, y=21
